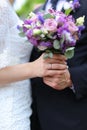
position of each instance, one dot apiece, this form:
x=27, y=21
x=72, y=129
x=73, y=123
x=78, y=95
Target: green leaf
x=48, y=55
x=45, y=56
x=47, y=16
x=21, y=34
x=69, y=53
x=50, y=36
x=68, y=11
x=56, y=44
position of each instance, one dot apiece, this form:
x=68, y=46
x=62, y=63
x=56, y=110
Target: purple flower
x=29, y=33
x=61, y=30
x=24, y=29
x=81, y=28
x=67, y=44
x=41, y=18
x=18, y=27
x=33, y=41
x=61, y=21
x=27, y=21
x=46, y=44
x=76, y=4
x=70, y=18
x=68, y=38
x=73, y=43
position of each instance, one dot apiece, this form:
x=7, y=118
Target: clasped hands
x=60, y=77
x=56, y=73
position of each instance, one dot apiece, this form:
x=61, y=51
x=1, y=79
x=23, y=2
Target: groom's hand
x=59, y=82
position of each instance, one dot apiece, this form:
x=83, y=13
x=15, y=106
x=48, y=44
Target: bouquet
x=54, y=31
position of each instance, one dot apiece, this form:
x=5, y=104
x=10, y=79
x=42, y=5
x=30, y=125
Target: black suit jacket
x=63, y=110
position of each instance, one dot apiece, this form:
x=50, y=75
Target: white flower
x=37, y=32
x=67, y=36
x=80, y=21
x=42, y=48
x=67, y=5
x=42, y=35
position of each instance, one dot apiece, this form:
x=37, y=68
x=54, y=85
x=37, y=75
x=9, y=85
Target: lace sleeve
x=7, y=15
x=8, y=19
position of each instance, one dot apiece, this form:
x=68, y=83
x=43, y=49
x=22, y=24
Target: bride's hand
x=50, y=66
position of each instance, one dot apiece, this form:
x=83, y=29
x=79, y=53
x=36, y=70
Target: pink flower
x=72, y=27
x=50, y=25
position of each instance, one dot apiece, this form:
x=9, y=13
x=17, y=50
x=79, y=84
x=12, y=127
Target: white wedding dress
x=15, y=98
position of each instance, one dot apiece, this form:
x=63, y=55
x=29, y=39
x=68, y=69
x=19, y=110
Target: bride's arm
x=17, y=73
x=38, y=68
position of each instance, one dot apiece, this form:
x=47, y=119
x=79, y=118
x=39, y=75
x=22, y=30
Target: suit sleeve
x=79, y=79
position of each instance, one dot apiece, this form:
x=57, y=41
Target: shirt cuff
x=72, y=87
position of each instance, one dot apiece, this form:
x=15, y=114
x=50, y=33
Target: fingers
x=51, y=84
x=51, y=61
x=60, y=78
x=55, y=83
x=52, y=66
x=54, y=72
x=58, y=81
x=51, y=80
x=55, y=69
x=58, y=66
x=60, y=59
x=59, y=56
